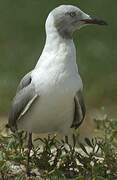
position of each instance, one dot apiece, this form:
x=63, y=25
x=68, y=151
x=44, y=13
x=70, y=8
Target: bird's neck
x=57, y=50
x=56, y=43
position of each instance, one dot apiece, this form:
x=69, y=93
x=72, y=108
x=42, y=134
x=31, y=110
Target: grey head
x=68, y=18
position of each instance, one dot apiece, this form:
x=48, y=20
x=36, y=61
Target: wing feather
x=80, y=110
x=22, y=102
x=26, y=80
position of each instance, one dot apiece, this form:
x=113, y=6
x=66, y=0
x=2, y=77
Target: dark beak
x=95, y=21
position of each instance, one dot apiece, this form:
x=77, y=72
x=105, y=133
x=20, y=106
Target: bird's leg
x=66, y=139
x=29, y=149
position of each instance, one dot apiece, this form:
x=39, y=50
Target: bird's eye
x=72, y=14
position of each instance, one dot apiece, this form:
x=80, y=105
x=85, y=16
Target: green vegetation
x=22, y=38
x=54, y=160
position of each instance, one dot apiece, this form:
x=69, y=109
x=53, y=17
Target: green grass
x=96, y=159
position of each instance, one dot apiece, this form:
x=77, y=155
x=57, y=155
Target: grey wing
x=22, y=102
x=80, y=110
x=26, y=80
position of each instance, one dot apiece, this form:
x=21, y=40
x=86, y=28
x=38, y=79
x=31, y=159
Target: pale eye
x=72, y=14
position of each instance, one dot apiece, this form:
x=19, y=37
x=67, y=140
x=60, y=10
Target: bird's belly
x=53, y=111
x=52, y=115
x=49, y=114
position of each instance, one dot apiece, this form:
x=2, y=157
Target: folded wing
x=80, y=110
x=22, y=102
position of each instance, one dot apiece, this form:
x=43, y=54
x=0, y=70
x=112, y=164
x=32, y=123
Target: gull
x=49, y=98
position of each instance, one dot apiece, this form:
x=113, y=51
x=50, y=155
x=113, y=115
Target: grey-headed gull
x=49, y=98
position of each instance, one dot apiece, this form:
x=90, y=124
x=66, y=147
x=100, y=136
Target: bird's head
x=68, y=18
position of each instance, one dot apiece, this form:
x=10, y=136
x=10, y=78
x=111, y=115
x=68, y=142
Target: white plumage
x=56, y=80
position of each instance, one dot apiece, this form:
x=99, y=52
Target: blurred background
x=22, y=37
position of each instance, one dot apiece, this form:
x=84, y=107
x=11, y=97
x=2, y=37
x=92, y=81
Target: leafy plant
x=54, y=160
